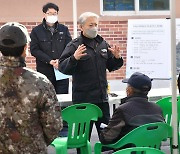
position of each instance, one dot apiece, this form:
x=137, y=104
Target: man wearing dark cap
x=29, y=118
x=135, y=110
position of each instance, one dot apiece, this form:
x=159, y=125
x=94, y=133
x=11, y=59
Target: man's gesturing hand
x=115, y=51
x=80, y=52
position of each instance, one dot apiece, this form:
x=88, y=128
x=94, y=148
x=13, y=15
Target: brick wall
x=114, y=32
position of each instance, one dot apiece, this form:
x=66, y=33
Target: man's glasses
x=52, y=14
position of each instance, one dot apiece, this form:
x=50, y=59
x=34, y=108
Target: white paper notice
x=149, y=48
x=59, y=75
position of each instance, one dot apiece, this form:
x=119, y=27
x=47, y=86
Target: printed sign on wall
x=149, y=48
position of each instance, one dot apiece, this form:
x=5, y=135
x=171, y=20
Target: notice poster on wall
x=149, y=48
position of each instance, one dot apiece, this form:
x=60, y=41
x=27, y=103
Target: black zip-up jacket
x=134, y=111
x=89, y=73
x=46, y=46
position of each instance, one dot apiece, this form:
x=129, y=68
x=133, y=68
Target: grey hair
x=83, y=17
x=137, y=91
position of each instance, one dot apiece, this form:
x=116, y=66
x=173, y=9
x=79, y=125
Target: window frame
x=137, y=12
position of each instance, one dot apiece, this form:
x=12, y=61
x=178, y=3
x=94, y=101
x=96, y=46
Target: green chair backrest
x=148, y=135
x=141, y=150
x=166, y=106
x=78, y=117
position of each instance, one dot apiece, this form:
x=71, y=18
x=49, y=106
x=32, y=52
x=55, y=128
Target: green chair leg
x=97, y=148
x=60, y=145
x=86, y=149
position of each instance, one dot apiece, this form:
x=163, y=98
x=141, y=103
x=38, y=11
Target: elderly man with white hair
x=86, y=58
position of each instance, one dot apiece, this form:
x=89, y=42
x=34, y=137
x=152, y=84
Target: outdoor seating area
x=148, y=137
x=79, y=78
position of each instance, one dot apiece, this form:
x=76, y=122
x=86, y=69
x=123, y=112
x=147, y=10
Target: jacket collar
x=46, y=26
x=8, y=61
x=89, y=42
x=129, y=98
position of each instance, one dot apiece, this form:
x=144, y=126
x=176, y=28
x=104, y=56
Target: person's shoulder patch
x=75, y=42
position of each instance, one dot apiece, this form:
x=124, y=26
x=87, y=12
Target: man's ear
x=81, y=27
x=129, y=91
x=25, y=52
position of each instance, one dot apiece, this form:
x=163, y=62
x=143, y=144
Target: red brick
x=114, y=32
x=114, y=22
x=104, y=29
x=104, y=22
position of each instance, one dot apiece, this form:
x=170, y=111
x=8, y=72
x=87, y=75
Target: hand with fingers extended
x=80, y=52
x=115, y=51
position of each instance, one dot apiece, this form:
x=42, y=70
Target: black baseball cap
x=13, y=35
x=139, y=81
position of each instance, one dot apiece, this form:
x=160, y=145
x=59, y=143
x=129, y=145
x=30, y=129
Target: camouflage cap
x=13, y=34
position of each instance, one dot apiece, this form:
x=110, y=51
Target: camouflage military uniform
x=29, y=117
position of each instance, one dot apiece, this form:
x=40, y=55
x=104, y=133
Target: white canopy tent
x=74, y=19
x=173, y=82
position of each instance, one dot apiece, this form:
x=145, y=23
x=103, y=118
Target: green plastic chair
x=166, y=106
x=78, y=117
x=148, y=135
x=141, y=150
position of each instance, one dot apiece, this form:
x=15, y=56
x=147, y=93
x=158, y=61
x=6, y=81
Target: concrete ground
x=116, y=85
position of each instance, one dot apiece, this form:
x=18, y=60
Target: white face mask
x=92, y=32
x=52, y=19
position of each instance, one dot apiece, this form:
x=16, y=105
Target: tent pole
x=74, y=19
x=173, y=81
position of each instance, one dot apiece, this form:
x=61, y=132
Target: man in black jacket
x=48, y=41
x=86, y=59
x=134, y=111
